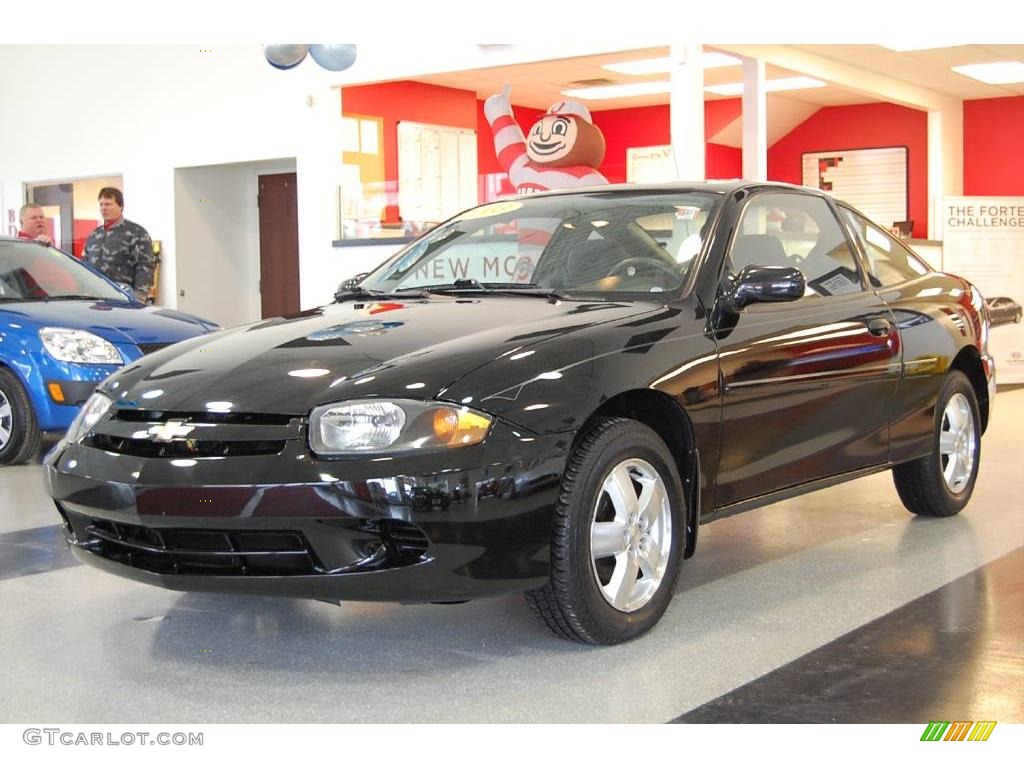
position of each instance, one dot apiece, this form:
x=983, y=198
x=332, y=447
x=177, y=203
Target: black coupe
x=547, y=394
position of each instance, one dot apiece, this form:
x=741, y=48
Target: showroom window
x=71, y=207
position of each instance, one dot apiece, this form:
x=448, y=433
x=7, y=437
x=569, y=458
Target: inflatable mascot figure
x=562, y=151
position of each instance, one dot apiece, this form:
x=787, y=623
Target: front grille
x=184, y=449
x=201, y=552
x=204, y=417
x=148, y=349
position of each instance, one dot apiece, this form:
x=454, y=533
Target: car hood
x=117, y=323
x=410, y=349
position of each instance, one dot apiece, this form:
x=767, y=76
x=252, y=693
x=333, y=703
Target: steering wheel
x=629, y=267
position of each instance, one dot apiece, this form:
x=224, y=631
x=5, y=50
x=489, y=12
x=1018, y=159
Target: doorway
x=217, y=239
x=279, y=244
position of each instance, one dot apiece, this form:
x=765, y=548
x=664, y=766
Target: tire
x=601, y=600
x=19, y=432
x=940, y=484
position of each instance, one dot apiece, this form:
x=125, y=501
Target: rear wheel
x=940, y=484
x=19, y=433
x=617, y=537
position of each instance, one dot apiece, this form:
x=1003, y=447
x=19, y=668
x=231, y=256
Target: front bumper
x=456, y=525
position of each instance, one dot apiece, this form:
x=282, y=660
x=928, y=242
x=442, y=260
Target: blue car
x=64, y=328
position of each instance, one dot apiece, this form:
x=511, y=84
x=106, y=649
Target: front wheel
x=940, y=484
x=617, y=537
x=19, y=434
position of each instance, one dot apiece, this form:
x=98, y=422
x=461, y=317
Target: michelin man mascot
x=563, y=150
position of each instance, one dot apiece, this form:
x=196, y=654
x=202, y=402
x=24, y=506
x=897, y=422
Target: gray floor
x=766, y=588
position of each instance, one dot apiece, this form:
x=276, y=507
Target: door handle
x=879, y=326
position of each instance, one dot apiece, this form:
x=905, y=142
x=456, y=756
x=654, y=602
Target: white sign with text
x=983, y=241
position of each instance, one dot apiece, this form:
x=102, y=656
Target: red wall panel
x=860, y=126
x=993, y=159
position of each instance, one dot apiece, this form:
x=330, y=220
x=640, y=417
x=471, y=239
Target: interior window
x=794, y=230
x=889, y=261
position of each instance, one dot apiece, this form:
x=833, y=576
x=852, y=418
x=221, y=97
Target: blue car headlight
x=72, y=345
x=95, y=408
x=368, y=426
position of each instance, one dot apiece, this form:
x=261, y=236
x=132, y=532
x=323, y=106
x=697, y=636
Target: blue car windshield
x=33, y=272
x=595, y=242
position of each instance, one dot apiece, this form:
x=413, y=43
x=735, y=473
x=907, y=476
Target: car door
x=808, y=385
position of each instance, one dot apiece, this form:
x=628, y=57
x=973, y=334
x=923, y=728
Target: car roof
x=725, y=186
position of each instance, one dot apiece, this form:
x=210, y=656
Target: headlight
x=94, y=409
x=367, y=426
x=74, y=346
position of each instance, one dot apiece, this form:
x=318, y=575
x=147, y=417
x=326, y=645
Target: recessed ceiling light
x=710, y=60
x=781, y=84
x=619, y=91
x=904, y=47
x=996, y=73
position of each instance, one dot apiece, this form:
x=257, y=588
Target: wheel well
x=968, y=362
x=668, y=419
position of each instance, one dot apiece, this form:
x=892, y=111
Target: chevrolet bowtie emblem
x=165, y=433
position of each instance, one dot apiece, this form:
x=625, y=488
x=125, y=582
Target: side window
x=889, y=261
x=793, y=230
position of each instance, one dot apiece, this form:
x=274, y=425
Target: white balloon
x=333, y=56
x=285, y=55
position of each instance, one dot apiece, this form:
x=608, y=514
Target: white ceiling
x=538, y=84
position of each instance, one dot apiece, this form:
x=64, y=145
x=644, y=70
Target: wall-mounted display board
x=436, y=171
x=871, y=180
x=983, y=240
x=650, y=165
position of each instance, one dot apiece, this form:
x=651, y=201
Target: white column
x=945, y=161
x=318, y=169
x=686, y=110
x=755, y=121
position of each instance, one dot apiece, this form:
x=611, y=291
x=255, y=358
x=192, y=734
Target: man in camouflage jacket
x=120, y=249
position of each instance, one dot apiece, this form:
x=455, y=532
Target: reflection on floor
x=839, y=605
x=955, y=654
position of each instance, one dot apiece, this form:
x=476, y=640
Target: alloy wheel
x=631, y=535
x=6, y=420
x=957, y=443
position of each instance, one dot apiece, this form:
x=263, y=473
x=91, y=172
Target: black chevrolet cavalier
x=547, y=395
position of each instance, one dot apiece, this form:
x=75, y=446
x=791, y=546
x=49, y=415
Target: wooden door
x=279, y=244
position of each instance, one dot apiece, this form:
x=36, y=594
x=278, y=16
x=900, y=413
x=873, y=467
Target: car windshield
x=32, y=272
x=599, y=242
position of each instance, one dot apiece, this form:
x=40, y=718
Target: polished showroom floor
x=835, y=607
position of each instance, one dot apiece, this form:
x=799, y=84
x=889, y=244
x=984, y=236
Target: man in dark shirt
x=33, y=224
x=120, y=249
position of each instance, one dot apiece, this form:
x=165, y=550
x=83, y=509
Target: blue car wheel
x=19, y=433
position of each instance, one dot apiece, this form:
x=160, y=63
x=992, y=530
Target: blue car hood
x=115, y=322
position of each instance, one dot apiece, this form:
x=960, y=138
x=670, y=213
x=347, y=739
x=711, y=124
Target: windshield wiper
x=83, y=297
x=358, y=292
x=505, y=289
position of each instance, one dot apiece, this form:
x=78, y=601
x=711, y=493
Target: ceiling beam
x=845, y=76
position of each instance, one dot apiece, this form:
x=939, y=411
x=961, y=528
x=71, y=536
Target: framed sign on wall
x=871, y=180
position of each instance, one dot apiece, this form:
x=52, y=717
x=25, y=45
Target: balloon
x=285, y=55
x=334, y=56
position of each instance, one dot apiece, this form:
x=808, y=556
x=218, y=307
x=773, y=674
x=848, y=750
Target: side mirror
x=758, y=284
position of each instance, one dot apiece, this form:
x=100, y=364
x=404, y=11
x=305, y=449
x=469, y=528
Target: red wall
x=413, y=102
x=993, y=156
x=861, y=126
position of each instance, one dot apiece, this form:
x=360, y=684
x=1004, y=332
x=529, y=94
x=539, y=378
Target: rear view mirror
x=758, y=284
